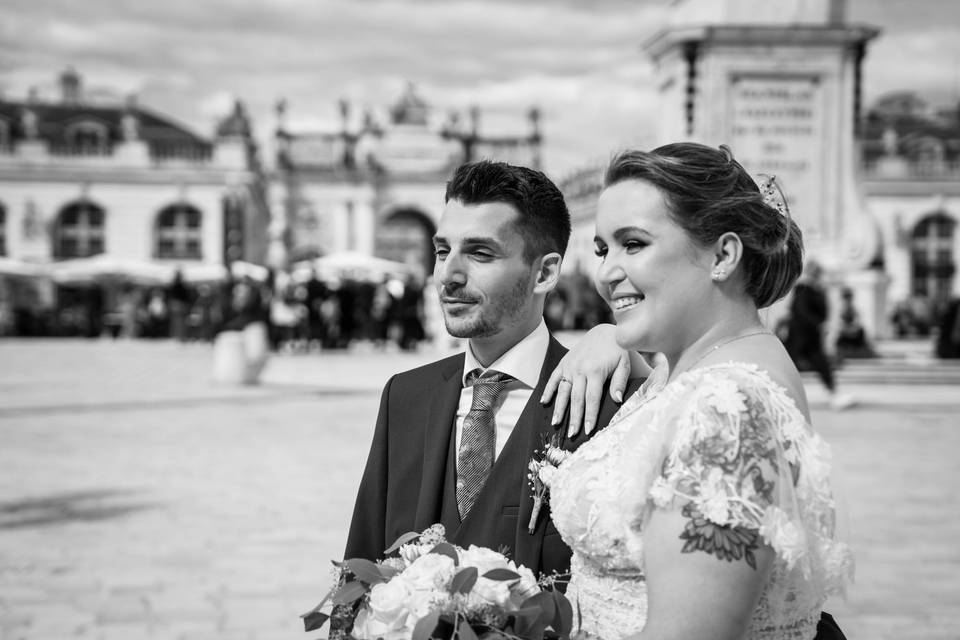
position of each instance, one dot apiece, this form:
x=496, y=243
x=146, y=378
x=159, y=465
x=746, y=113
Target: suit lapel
x=436, y=446
x=537, y=430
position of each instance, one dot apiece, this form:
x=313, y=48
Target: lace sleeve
x=743, y=455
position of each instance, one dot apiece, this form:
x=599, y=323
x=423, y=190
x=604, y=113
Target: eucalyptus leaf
x=349, y=593
x=402, y=540
x=425, y=626
x=466, y=632
x=314, y=620
x=447, y=549
x=501, y=575
x=563, y=618
x=365, y=571
x=464, y=580
x=387, y=571
x=526, y=623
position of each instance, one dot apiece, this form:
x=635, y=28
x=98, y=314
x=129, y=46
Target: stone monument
x=780, y=83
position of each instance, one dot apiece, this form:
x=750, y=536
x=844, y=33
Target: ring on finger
x=565, y=379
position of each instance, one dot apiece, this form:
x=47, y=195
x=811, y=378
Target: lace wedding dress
x=718, y=437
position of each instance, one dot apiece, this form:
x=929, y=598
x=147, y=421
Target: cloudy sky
x=579, y=61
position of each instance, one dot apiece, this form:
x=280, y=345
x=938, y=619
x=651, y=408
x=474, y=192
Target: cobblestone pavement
x=140, y=500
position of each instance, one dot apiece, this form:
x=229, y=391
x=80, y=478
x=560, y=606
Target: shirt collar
x=523, y=360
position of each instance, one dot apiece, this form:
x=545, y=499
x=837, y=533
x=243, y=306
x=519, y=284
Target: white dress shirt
x=523, y=361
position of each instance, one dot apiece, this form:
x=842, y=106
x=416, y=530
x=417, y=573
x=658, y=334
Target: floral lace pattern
x=727, y=442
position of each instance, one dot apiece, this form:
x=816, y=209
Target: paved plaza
x=140, y=500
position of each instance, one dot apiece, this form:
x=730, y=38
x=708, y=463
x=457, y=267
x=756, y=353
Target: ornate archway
x=406, y=235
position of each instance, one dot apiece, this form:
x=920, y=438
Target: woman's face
x=654, y=277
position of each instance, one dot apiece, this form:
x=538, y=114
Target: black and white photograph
x=479, y=320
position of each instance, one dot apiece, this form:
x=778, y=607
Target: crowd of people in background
x=305, y=314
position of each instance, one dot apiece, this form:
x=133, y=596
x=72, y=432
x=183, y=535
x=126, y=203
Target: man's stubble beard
x=496, y=318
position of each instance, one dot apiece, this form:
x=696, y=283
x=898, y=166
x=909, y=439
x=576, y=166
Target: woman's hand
x=579, y=378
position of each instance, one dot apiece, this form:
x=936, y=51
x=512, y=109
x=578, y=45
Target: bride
x=704, y=510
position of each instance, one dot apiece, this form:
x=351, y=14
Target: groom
x=453, y=438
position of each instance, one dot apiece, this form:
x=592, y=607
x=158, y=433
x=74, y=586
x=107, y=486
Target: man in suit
x=453, y=438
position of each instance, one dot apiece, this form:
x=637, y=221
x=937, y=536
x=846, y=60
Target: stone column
x=779, y=83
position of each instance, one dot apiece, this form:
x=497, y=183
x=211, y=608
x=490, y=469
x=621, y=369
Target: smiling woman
x=705, y=508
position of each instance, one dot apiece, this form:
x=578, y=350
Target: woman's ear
x=549, y=273
x=727, y=255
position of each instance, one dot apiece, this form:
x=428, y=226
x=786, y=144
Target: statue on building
x=28, y=123
x=410, y=108
x=890, y=141
x=130, y=126
x=237, y=124
x=32, y=225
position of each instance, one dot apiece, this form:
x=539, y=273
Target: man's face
x=485, y=286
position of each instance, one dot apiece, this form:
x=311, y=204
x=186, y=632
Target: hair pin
x=772, y=193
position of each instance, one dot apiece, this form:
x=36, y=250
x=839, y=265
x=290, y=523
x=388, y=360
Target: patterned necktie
x=478, y=439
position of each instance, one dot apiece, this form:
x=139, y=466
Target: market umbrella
x=14, y=267
x=104, y=268
x=203, y=272
x=350, y=264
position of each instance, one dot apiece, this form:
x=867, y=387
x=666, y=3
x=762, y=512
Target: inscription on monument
x=777, y=129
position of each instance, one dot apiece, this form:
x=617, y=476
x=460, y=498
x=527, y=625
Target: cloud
x=926, y=62
x=579, y=61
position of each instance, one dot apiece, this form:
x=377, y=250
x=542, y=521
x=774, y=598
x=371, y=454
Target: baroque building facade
x=377, y=187
x=80, y=178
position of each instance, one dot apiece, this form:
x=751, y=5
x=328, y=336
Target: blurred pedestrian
x=128, y=308
x=948, y=334
x=851, y=336
x=178, y=306
x=809, y=311
x=240, y=351
x=158, y=318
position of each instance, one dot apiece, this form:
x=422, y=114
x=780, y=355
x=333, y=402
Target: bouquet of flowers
x=433, y=589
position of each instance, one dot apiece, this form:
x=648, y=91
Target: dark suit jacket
x=409, y=481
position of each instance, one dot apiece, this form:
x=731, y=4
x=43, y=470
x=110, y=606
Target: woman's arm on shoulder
x=584, y=370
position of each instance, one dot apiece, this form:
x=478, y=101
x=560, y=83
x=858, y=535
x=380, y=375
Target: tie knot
x=479, y=376
x=487, y=386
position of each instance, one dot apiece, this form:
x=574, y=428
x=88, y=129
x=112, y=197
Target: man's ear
x=548, y=275
x=727, y=255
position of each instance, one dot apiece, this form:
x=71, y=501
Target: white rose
x=495, y=592
x=527, y=586
x=421, y=603
x=483, y=559
x=385, y=615
x=368, y=626
x=388, y=599
x=548, y=474
x=430, y=571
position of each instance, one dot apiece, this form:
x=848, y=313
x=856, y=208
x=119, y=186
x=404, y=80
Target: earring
x=719, y=273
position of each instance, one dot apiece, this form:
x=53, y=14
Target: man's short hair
x=544, y=221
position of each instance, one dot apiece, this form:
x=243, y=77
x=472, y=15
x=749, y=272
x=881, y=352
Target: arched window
x=87, y=137
x=932, y=259
x=178, y=232
x=79, y=232
x=3, y=230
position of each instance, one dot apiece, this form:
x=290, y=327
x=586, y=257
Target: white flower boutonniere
x=543, y=463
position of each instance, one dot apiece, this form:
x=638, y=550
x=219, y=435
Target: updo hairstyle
x=708, y=193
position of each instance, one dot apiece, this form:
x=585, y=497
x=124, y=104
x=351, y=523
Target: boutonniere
x=543, y=464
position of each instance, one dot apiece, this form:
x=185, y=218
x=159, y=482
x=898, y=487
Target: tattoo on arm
x=726, y=542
